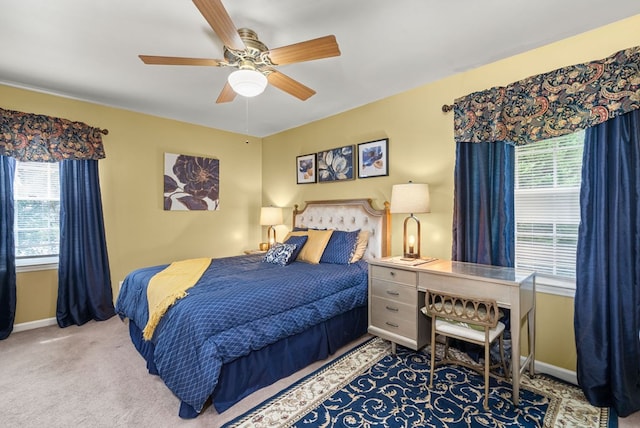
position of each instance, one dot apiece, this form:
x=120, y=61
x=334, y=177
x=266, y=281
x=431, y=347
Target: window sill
x=32, y=265
x=558, y=287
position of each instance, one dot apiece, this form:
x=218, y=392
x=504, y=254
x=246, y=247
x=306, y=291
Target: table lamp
x=270, y=216
x=410, y=198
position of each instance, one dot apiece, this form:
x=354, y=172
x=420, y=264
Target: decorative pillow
x=361, y=246
x=299, y=242
x=316, y=243
x=295, y=233
x=340, y=247
x=280, y=254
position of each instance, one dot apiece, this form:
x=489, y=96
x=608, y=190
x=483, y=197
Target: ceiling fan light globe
x=247, y=83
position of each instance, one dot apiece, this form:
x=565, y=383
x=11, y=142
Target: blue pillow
x=280, y=254
x=299, y=241
x=340, y=247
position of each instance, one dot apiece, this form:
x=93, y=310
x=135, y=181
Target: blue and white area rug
x=369, y=387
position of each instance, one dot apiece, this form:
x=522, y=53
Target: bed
x=246, y=323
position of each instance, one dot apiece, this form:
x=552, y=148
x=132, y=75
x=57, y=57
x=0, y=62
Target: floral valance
x=551, y=104
x=40, y=138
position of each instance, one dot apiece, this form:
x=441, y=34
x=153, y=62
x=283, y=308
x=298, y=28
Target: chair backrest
x=472, y=310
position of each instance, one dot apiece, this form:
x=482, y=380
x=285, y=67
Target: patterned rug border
x=366, y=356
x=302, y=397
x=547, y=385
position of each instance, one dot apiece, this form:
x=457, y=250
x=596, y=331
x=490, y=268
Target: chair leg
x=433, y=351
x=507, y=375
x=487, y=363
x=446, y=348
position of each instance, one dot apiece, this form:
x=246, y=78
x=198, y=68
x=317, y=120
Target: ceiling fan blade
x=290, y=86
x=220, y=21
x=226, y=95
x=174, y=60
x=323, y=47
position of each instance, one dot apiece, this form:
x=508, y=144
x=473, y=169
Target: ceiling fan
x=255, y=63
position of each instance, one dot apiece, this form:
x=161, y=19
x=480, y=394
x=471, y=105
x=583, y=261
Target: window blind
x=37, y=209
x=547, y=204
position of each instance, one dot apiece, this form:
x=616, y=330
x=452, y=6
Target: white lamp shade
x=247, y=83
x=410, y=198
x=270, y=216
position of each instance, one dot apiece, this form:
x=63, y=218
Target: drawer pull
x=392, y=273
x=391, y=308
x=393, y=293
x=390, y=324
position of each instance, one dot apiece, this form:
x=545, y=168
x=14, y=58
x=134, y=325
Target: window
x=37, y=213
x=547, y=208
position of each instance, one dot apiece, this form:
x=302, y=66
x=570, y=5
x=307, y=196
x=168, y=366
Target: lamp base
x=271, y=240
x=411, y=247
x=410, y=257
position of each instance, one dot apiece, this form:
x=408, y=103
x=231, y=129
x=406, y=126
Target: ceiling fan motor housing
x=251, y=57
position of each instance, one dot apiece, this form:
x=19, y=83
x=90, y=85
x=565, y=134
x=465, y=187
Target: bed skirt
x=265, y=366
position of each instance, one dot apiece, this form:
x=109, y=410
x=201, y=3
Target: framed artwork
x=335, y=164
x=373, y=158
x=191, y=183
x=306, y=169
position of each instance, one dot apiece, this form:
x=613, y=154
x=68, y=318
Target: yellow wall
x=422, y=149
x=139, y=232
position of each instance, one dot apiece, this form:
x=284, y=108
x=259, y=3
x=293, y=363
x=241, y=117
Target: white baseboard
x=34, y=324
x=559, y=372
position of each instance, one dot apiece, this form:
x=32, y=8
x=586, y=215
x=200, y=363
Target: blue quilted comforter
x=240, y=304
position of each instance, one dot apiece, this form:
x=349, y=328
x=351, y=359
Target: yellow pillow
x=361, y=246
x=315, y=245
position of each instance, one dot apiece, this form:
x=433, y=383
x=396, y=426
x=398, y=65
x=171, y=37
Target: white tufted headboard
x=349, y=215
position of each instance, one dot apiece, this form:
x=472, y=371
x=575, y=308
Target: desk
x=391, y=284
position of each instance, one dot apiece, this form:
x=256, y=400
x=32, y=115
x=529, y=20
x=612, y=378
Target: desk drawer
x=395, y=275
x=392, y=316
x=394, y=291
x=466, y=287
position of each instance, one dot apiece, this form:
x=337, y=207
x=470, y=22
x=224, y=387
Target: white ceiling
x=89, y=50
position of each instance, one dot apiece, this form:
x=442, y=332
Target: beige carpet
x=92, y=376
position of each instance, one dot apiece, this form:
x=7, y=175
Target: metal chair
x=469, y=319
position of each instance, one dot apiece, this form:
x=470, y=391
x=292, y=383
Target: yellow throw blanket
x=170, y=285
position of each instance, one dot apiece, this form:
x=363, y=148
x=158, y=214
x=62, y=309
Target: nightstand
x=394, y=305
x=254, y=251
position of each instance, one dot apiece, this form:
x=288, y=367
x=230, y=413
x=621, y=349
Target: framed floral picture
x=335, y=164
x=306, y=170
x=373, y=158
x=191, y=183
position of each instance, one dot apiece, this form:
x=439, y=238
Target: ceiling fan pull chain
x=247, y=116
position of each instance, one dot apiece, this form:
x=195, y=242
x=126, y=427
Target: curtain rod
x=447, y=108
x=106, y=131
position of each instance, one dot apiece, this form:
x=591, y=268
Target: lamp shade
x=270, y=216
x=410, y=198
x=247, y=83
